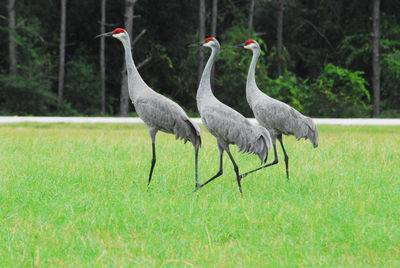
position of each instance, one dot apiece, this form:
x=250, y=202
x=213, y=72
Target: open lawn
x=75, y=195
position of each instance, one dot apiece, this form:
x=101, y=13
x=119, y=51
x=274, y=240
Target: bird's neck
x=251, y=87
x=136, y=85
x=205, y=82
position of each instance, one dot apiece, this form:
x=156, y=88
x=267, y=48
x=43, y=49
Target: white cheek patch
x=118, y=35
x=250, y=46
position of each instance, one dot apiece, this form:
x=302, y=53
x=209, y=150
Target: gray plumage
x=280, y=118
x=277, y=117
x=230, y=127
x=160, y=113
x=226, y=124
x=156, y=111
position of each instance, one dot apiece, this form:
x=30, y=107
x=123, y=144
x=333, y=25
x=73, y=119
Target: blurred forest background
x=326, y=58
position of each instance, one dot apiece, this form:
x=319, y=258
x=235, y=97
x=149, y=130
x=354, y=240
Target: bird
x=158, y=112
x=225, y=124
x=276, y=116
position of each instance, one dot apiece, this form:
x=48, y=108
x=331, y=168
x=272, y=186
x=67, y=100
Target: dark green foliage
x=231, y=71
x=326, y=55
x=390, y=65
x=26, y=95
x=82, y=95
x=338, y=92
x=30, y=91
x=289, y=89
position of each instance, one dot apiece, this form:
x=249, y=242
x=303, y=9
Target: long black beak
x=105, y=34
x=195, y=45
x=237, y=46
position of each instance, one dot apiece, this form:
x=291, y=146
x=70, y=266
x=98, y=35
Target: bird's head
x=118, y=33
x=208, y=42
x=249, y=44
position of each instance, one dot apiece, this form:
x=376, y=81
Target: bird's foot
x=197, y=187
x=240, y=190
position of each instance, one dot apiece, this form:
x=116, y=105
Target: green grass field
x=75, y=195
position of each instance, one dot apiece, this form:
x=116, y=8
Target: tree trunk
x=376, y=72
x=279, y=32
x=61, y=70
x=11, y=40
x=250, y=22
x=214, y=20
x=202, y=30
x=124, y=98
x=102, y=58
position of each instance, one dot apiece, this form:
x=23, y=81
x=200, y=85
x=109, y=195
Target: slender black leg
x=267, y=165
x=236, y=168
x=220, y=171
x=153, y=163
x=286, y=157
x=152, y=132
x=196, y=159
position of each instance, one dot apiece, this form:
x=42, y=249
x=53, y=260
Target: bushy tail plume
x=262, y=145
x=188, y=131
x=308, y=130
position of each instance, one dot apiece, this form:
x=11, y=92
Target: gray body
x=230, y=127
x=160, y=113
x=226, y=124
x=157, y=111
x=277, y=117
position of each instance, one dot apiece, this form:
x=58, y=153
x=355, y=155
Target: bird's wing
x=284, y=118
x=164, y=114
x=299, y=116
x=229, y=125
x=194, y=125
x=277, y=115
x=158, y=111
x=232, y=127
x=222, y=119
x=272, y=113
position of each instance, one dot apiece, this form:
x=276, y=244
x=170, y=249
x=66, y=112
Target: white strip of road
x=135, y=120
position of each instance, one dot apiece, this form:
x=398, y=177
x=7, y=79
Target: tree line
x=331, y=58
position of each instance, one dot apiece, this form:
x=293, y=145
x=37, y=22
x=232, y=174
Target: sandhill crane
x=157, y=111
x=277, y=117
x=226, y=124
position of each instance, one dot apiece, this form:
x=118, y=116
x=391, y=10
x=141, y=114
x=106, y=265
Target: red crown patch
x=118, y=30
